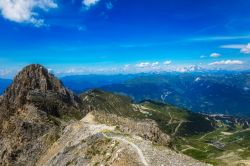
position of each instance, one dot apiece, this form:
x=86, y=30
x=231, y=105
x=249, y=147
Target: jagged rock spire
x=35, y=85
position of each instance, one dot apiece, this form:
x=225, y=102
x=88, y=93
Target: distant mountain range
x=222, y=92
x=208, y=93
x=81, y=83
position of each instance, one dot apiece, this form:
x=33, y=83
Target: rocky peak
x=33, y=111
x=37, y=77
x=34, y=84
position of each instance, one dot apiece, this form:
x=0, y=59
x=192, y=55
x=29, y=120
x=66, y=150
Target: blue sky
x=121, y=36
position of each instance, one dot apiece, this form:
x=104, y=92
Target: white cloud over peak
x=89, y=3
x=22, y=11
x=227, y=62
x=215, y=55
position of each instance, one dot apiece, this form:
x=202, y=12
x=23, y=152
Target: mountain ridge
x=44, y=123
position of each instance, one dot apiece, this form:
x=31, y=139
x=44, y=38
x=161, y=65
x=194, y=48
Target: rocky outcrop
x=25, y=135
x=118, y=111
x=33, y=111
x=35, y=85
x=147, y=129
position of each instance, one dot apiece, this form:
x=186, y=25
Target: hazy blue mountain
x=81, y=83
x=212, y=93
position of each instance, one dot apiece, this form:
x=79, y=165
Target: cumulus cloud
x=148, y=65
x=215, y=55
x=167, y=62
x=89, y=3
x=143, y=64
x=188, y=68
x=23, y=11
x=155, y=64
x=227, y=62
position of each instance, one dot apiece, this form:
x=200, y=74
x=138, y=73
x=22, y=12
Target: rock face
x=34, y=85
x=117, y=110
x=33, y=111
x=147, y=129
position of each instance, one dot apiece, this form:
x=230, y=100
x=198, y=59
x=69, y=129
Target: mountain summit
x=33, y=111
x=34, y=84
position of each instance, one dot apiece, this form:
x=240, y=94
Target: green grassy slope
x=209, y=140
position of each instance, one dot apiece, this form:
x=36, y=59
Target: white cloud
x=148, y=65
x=155, y=64
x=167, y=62
x=227, y=62
x=126, y=66
x=22, y=11
x=4, y=73
x=190, y=68
x=197, y=79
x=143, y=64
x=89, y=3
x=233, y=46
x=246, y=49
x=215, y=55
x=7, y=72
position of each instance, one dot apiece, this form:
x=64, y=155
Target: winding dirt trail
x=138, y=150
x=171, y=118
x=177, y=128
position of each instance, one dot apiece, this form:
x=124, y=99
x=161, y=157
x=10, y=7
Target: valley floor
x=219, y=147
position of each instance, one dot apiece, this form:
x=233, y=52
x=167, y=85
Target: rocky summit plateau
x=42, y=123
